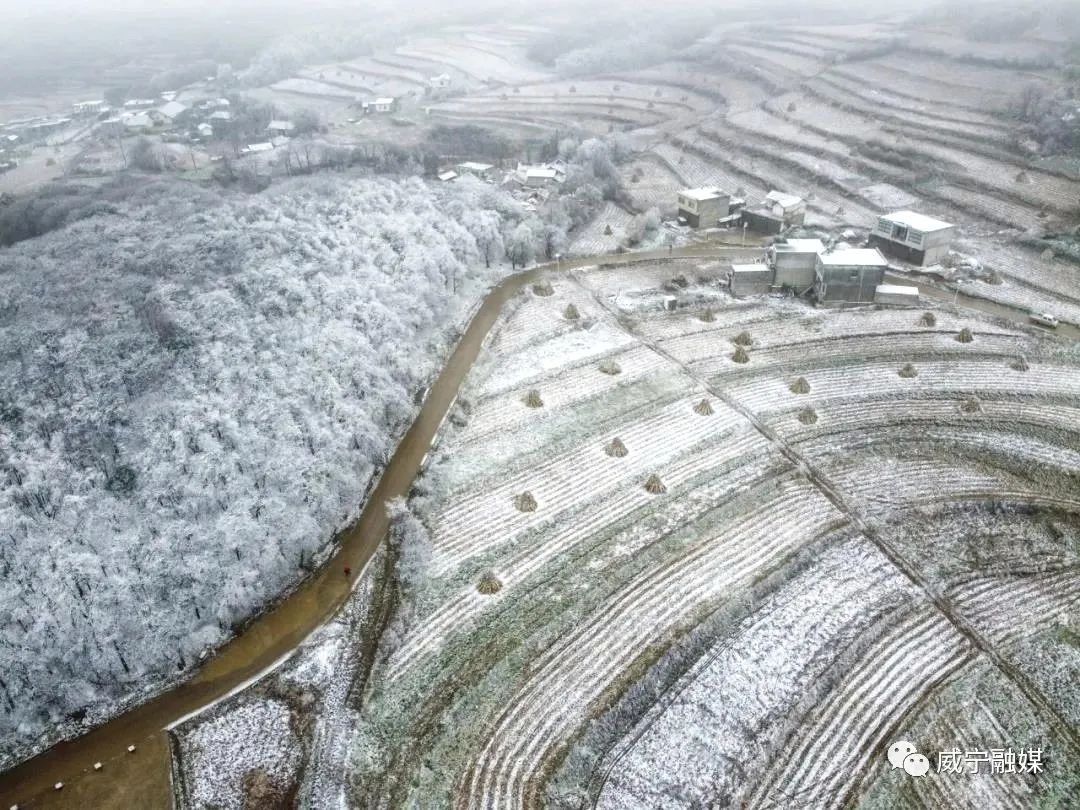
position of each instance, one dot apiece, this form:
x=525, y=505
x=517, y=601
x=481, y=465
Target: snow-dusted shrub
x=543, y=288
x=610, y=367
x=194, y=400
x=707, y=316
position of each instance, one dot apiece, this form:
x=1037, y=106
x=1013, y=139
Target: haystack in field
x=707, y=316
x=808, y=416
x=742, y=339
x=965, y=336
x=971, y=405
x=800, y=386
x=610, y=367
x=740, y=355
x=489, y=583
x=1019, y=364
x=543, y=288
x=703, y=408
x=525, y=502
x=615, y=448
x=571, y=313
x=654, y=485
x=928, y=319
x=908, y=371
x=532, y=399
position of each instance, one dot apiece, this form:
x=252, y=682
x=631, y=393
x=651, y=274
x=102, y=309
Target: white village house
x=913, y=237
x=703, y=207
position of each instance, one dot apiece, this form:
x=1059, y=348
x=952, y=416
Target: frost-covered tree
x=196, y=392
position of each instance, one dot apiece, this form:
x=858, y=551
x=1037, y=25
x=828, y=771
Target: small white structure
x=252, y=148
x=139, y=103
x=482, y=170
x=535, y=176
x=703, y=207
x=386, y=104
x=913, y=237
x=88, y=107
x=900, y=295
x=448, y=175
x=776, y=212
x=137, y=122
x=440, y=82
x=205, y=130
x=173, y=110
x=220, y=115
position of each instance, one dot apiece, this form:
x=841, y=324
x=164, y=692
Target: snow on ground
x=693, y=745
x=584, y=613
x=221, y=756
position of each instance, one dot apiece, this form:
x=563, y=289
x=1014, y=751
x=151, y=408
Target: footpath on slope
x=143, y=779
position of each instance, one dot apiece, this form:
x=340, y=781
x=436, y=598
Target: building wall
x=847, y=284
x=761, y=223
x=707, y=212
x=795, y=269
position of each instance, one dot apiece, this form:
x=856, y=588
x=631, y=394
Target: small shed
x=900, y=295
x=776, y=212
x=913, y=237
x=448, y=175
x=750, y=279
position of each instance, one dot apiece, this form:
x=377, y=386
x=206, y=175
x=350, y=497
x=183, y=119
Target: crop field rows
x=701, y=502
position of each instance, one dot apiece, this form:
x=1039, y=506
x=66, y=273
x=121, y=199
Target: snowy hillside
x=194, y=396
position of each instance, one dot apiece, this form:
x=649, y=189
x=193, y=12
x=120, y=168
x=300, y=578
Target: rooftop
x=703, y=193
x=800, y=246
x=472, y=166
x=386, y=101
x=897, y=289
x=919, y=222
x=750, y=268
x=854, y=257
x=173, y=109
x=782, y=199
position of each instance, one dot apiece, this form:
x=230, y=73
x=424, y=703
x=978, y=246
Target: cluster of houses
x=807, y=267
x=846, y=275
x=531, y=183
x=138, y=115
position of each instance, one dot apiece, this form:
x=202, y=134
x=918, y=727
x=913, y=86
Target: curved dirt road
x=142, y=779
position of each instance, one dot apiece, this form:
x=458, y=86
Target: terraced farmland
x=662, y=577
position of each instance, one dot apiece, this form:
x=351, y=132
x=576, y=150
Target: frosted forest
x=196, y=393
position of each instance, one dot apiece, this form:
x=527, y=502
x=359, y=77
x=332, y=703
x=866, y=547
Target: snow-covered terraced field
x=698, y=554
